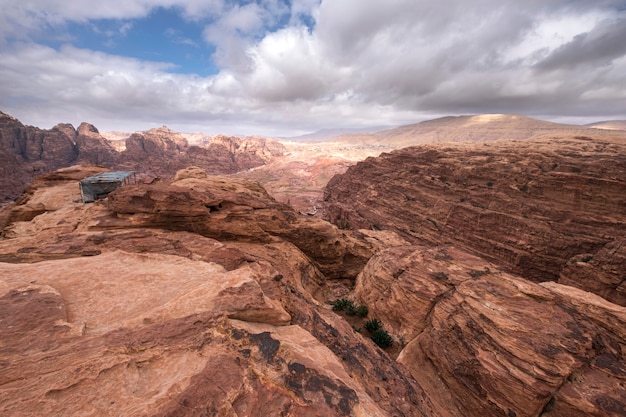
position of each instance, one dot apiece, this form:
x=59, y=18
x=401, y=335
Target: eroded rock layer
x=535, y=207
x=191, y=298
x=485, y=343
x=27, y=151
x=204, y=296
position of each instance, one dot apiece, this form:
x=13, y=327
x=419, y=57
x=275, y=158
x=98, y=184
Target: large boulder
x=482, y=342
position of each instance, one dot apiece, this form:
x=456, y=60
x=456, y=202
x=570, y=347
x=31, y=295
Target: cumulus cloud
x=291, y=66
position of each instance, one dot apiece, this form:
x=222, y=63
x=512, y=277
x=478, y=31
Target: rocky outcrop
x=485, y=343
x=26, y=152
x=230, y=209
x=141, y=304
x=162, y=152
x=528, y=206
x=204, y=296
x=93, y=148
x=602, y=273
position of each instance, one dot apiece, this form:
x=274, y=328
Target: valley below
x=490, y=249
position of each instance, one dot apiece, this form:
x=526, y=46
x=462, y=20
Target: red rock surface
x=128, y=306
x=26, y=152
x=161, y=152
x=205, y=296
x=485, y=343
x=529, y=206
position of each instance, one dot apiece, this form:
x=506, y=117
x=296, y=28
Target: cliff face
x=204, y=296
x=539, y=208
x=26, y=152
x=161, y=152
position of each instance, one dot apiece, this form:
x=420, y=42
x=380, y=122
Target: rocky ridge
x=486, y=343
x=205, y=296
x=26, y=152
x=478, y=129
x=551, y=209
x=199, y=296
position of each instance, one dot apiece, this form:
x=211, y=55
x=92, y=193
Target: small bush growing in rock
x=361, y=311
x=348, y=306
x=382, y=338
x=342, y=304
x=373, y=325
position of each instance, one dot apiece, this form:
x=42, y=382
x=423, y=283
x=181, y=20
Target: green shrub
x=361, y=311
x=382, y=338
x=350, y=310
x=343, y=304
x=373, y=325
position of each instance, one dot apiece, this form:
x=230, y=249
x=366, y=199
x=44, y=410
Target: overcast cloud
x=288, y=67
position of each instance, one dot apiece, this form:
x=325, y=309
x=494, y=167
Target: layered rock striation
x=485, y=343
x=195, y=297
x=540, y=208
x=26, y=152
x=205, y=296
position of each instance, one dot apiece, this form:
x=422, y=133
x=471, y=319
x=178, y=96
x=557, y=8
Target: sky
x=289, y=67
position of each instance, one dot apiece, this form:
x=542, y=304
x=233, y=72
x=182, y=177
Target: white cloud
x=327, y=63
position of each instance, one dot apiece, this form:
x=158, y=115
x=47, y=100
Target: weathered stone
x=482, y=342
x=111, y=313
x=528, y=206
x=26, y=152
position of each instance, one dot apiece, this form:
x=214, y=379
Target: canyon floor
x=496, y=266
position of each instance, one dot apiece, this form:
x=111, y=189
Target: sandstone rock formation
x=26, y=152
x=299, y=177
x=536, y=207
x=485, y=343
x=161, y=152
x=205, y=296
x=189, y=298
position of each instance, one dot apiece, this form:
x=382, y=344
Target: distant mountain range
x=478, y=128
x=324, y=135
x=609, y=125
x=27, y=151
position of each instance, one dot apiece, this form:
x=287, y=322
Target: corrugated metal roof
x=116, y=176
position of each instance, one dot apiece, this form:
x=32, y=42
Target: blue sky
x=280, y=68
x=163, y=35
